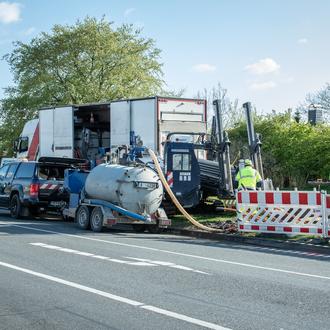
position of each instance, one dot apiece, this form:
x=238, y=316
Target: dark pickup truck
x=30, y=188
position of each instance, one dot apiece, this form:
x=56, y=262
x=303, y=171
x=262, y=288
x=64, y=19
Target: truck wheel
x=82, y=217
x=154, y=229
x=15, y=207
x=97, y=220
x=139, y=228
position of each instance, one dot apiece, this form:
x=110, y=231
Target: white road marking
x=259, y=248
x=170, y=264
x=111, y=296
x=138, y=262
x=87, y=254
x=181, y=254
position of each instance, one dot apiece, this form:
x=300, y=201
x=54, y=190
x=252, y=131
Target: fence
x=288, y=212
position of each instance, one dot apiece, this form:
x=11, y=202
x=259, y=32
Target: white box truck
x=79, y=131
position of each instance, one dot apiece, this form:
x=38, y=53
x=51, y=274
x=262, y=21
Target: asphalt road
x=54, y=276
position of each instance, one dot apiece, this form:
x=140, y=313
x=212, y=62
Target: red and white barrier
x=289, y=212
x=170, y=180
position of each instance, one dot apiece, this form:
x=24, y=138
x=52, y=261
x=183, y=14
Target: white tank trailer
x=137, y=189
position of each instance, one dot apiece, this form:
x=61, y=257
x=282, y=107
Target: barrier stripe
x=280, y=229
x=269, y=198
x=303, y=198
x=280, y=198
x=239, y=197
x=286, y=198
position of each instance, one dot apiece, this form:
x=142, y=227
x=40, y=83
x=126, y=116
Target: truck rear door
x=56, y=132
x=63, y=132
x=120, y=123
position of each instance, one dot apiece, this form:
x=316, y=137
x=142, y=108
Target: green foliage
x=292, y=152
x=88, y=62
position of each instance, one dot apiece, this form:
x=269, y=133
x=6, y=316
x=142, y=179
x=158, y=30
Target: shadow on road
x=55, y=226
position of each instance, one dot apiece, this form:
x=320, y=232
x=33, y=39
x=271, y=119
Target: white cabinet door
x=119, y=123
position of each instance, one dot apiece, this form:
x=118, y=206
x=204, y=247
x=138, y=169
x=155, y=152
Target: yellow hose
x=174, y=199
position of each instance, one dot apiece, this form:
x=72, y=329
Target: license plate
x=111, y=222
x=164, y=222
x=146, y=185
x=57, y=203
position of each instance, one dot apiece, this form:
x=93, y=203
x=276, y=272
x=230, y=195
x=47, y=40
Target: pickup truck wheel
x=97, y=220
x=15, y=207
x=82, y=217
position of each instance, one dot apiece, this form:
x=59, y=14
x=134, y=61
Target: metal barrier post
x=324, y=214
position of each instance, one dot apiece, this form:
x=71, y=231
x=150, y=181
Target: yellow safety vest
x=248, y=178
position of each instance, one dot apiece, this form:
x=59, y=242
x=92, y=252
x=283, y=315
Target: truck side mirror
x=23, y=144
x=15, y=145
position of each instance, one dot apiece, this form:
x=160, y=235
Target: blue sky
x=271, y=53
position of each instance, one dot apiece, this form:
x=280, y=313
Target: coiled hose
x=174, y=199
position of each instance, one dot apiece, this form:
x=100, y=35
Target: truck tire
x=97, y=220
x=82, y=217
x=15, y=207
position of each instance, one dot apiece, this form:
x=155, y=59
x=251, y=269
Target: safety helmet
x=247, y=162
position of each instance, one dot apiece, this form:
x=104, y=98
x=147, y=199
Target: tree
x=232, y=113
x=321, y=97
x=90, y=61
x=292, y=152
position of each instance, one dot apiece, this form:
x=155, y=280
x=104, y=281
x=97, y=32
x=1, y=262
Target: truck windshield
x=181, y=162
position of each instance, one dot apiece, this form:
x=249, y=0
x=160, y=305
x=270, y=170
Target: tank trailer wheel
x=97, y=219
x=82, y=217
x=139, y=228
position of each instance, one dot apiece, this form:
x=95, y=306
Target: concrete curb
x=270, y=243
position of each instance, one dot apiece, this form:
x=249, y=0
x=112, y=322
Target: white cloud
x=9, y=12
x=263, y=66
x=261, y=86
x=302, y=41
x=204, y=67
x=129, y=11
x=287, y=80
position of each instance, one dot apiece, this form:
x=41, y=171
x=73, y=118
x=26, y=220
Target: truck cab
x=182, y=170
x=27, y=145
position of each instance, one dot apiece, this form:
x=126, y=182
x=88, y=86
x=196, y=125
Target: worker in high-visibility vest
x=248, y=177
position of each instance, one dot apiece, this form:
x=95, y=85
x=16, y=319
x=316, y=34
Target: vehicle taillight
x=34, y=189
